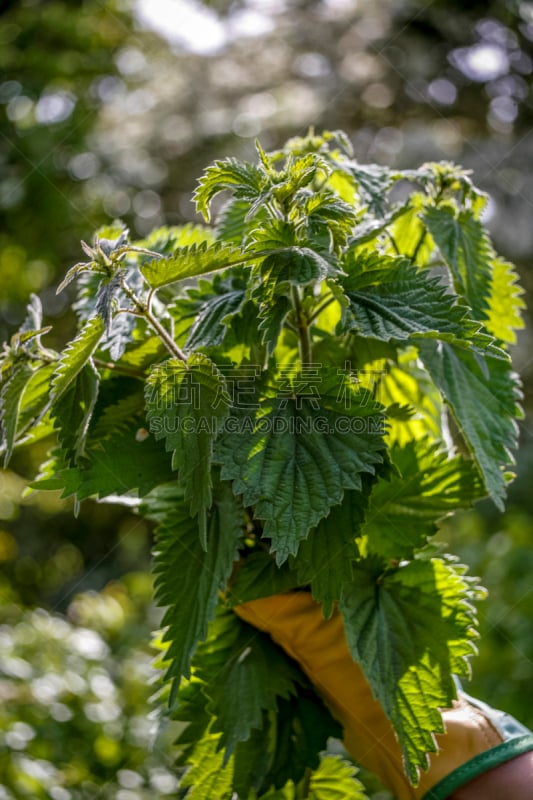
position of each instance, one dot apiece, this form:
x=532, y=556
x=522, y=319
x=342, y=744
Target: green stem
x=303, y=328
x=140, y=309
x=121, y=368
x=419, y=245
x=320, y=308
x=304, y=787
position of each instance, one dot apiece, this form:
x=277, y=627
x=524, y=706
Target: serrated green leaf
x=292, y=462
x=259, y=576
x=411, y=629
x=483, y=394
x=35, y=399
x=295, y=265
x=210, y=325
x=335, y=780
x=117, y=465
x=428, y=486
x=392, y=300
x=466, y=248
x=10, y=401
x=186, y=405
x=189, y=262
x=303, y=727
x=373, y=182
x=191, y=595
x=325, y=559
x=273, y=311
x=409, y=233
x=168, y=238
x=72, y=413
x=409, y=386
x=237, y=663
x=207, y=776
x=234, y=223
x=505, y=303
x=76, y=354
x=245, y=181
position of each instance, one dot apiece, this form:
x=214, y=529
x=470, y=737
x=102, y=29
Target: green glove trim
x=480, y=764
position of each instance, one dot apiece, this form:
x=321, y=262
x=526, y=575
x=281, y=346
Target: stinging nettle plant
x=301, y=417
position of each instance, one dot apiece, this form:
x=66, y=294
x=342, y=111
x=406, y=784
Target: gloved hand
x=477, y=737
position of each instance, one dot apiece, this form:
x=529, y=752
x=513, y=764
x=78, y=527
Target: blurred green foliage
x=75, y=716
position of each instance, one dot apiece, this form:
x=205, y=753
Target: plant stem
x=142, y=310
x=419, y=245
x=321, y=307
x=130, y=371
x=304, y=786
x=303, y=328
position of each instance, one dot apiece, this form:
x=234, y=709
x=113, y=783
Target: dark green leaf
x=411, y=629
x=76, y=355
x=72, y=413
x=10, y=401
x=393, y=300
x=236, y=662
x=245, y=181
x=186, y=405
x=466, y=248
x=117, y=465
x=325, y=559
x=428, y=486
x=296, y=458
x=259, y=576
x=190, y=594
x=483, y=394
x=189, y=262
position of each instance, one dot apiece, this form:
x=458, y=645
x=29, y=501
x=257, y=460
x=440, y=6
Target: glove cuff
x=516, y=740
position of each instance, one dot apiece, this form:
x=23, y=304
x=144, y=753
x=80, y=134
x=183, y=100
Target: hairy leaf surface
x=186, y=405
x=411, y=629
x=294, y=460
x=483, y=395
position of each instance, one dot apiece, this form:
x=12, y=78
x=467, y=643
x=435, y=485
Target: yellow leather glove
x=477, y=738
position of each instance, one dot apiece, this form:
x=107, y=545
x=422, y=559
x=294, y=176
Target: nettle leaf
x=409, y=233
x=392, y=300
x=483, y=394
x=168, y=238
x=76, y=354
x=373, y=183
x=234, y=222
x=191, y=595
x=34, y=403
x=309, y=442
x=117, y=465
x=335, y=780
x=259, y=576
x=189, y=262
x=72, y=413
x=466, y=248
x=236, y=662
x=325, y=559
x=427, y=486
x=10, y=400
x=244, y=180
x=294, y=265
x=208, y=777
x=505, y=303
x=213, y=305
x=273, y=311
x=302, y=728
x=186, y=406
x=411, y=630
